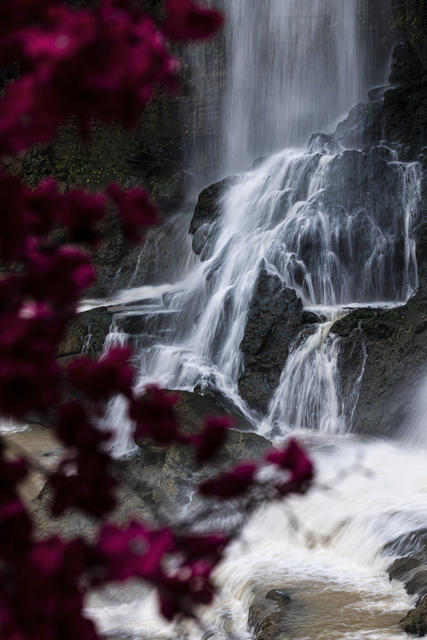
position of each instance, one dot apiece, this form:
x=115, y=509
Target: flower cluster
x=239, y=481
x=100, y=63
x=94, y=63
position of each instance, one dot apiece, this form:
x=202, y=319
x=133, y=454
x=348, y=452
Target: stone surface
x=391, y=349
x=411, y=569
x=396, y=114
x=275, y=319
x=155, y=483
x=86, y=334
x=415, y=621
x=206, y=221
x=267, y=618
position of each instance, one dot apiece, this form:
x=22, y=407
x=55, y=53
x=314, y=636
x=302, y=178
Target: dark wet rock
x=123, y=265
x=322, y=143
x=156, y=481
x=411, y=565
x=206, y=220
x=417, y=583
x=86, y=334
x=267, y=615
x=402, y=567
x=275, y=319
x=279, y=595
x=406, y=67
x=415, y=621
x=390, y=347
x=264, y=620
x=396, y=114
x=414, y=542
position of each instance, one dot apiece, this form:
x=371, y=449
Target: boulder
x=157, y=483
x=275, y=318
x=205, y=223
x=415, y=621
x=406, y=67
x=86, y=334
x=264, y=620
x=389, y=347
x=267, y=615
x=396, y=114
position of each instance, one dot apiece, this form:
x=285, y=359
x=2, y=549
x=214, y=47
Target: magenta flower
x=230, y=484
x=189, y=21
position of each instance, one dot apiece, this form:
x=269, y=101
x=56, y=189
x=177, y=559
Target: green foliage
x=90, y=163
x=411, y=18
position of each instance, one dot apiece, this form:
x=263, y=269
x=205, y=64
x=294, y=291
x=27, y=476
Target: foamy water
x=332, y=565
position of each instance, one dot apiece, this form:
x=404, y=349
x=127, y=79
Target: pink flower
x=29, y=374
x=230, y=484
x=75, y=429
x=58, y=275
x=15, y=218
x=81, y=212
x=189, y=21
x=293, y=459
x=133, y=551
x=212, y=438
x=137, y=211
x=16, y=529
x=84, y=482
x=155, y=416
x=101, y=379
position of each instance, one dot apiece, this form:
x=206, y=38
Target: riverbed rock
x=156, y=482
x=275, y=318
x=267, y=615
x=410, y=567
x=415, y=621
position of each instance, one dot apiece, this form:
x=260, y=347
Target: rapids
x=332, y=567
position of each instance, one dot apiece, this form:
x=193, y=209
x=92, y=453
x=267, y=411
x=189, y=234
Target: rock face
x=156, y=480
x=410, y=568
x=396, y=113
x=275, y=318
x=415, y=621
x=267, y=615
x=206, y=221
x=390, y=347
x=363, y=194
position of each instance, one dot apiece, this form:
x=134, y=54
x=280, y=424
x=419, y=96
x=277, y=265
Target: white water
x=295, y=67
x=332, y=565
x=279, y=216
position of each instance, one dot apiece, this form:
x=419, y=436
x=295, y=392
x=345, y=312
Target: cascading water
x=293, y=216
x=336, y=225
x=293, y=69
x=331, y=566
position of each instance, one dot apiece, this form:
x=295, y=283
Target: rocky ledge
x=384, y=354
x=154, y=481
x=411, y=569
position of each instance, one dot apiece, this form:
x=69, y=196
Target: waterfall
x=307, y=393
x=294, y=67
x=287, y=215
x=281, y=70
x=334, y=224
